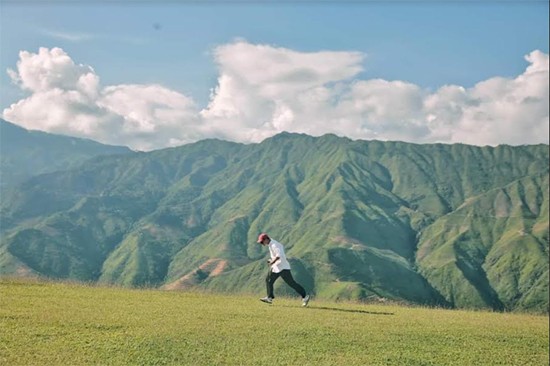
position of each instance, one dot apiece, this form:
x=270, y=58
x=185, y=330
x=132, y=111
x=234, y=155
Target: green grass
x=43, y=323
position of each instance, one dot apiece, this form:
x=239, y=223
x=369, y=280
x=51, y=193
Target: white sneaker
x=305, y=300
x=267, y=300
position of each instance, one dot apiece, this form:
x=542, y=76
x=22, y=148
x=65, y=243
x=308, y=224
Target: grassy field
x=45, y=323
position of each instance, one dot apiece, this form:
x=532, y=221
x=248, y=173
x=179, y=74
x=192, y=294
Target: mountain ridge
x=353, y=215
x=25, y=153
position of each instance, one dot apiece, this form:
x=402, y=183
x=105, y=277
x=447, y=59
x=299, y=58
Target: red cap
x=262, y=237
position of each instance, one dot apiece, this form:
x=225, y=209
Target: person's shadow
x=350, y=310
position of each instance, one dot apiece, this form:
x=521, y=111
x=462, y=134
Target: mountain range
x=435, y=224
x=25, y=153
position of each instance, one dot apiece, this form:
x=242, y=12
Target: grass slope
x=59, y=324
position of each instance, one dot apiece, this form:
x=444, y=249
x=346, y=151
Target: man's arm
x=272, y=262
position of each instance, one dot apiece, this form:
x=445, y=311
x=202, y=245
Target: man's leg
x=269, y=281
x=287, y=277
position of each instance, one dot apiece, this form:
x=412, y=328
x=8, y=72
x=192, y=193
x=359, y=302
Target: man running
x=279, y=267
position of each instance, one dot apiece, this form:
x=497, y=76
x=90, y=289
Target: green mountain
x=24, y=153
x=450, y=225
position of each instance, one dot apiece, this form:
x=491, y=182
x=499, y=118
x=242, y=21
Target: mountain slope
x=359, y=219
x=498, y=242
x=26, y=153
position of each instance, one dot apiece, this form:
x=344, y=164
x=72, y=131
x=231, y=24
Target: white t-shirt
x=276, y=250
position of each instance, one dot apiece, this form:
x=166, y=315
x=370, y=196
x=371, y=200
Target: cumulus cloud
x=263, y=90
x=67, y=98
x=494, y=111
x=258, y=87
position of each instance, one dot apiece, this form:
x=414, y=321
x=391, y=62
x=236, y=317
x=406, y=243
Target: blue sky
x=425, y=44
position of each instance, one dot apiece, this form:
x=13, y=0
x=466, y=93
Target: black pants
x=287, y=277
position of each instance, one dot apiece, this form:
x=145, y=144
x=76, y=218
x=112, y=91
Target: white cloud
x=67, y=36
x=263, y=90
x=78, y=37
x=259, y=87
x=151, y=116
x=66, y=98
x=51, y=69
x=494, y=111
